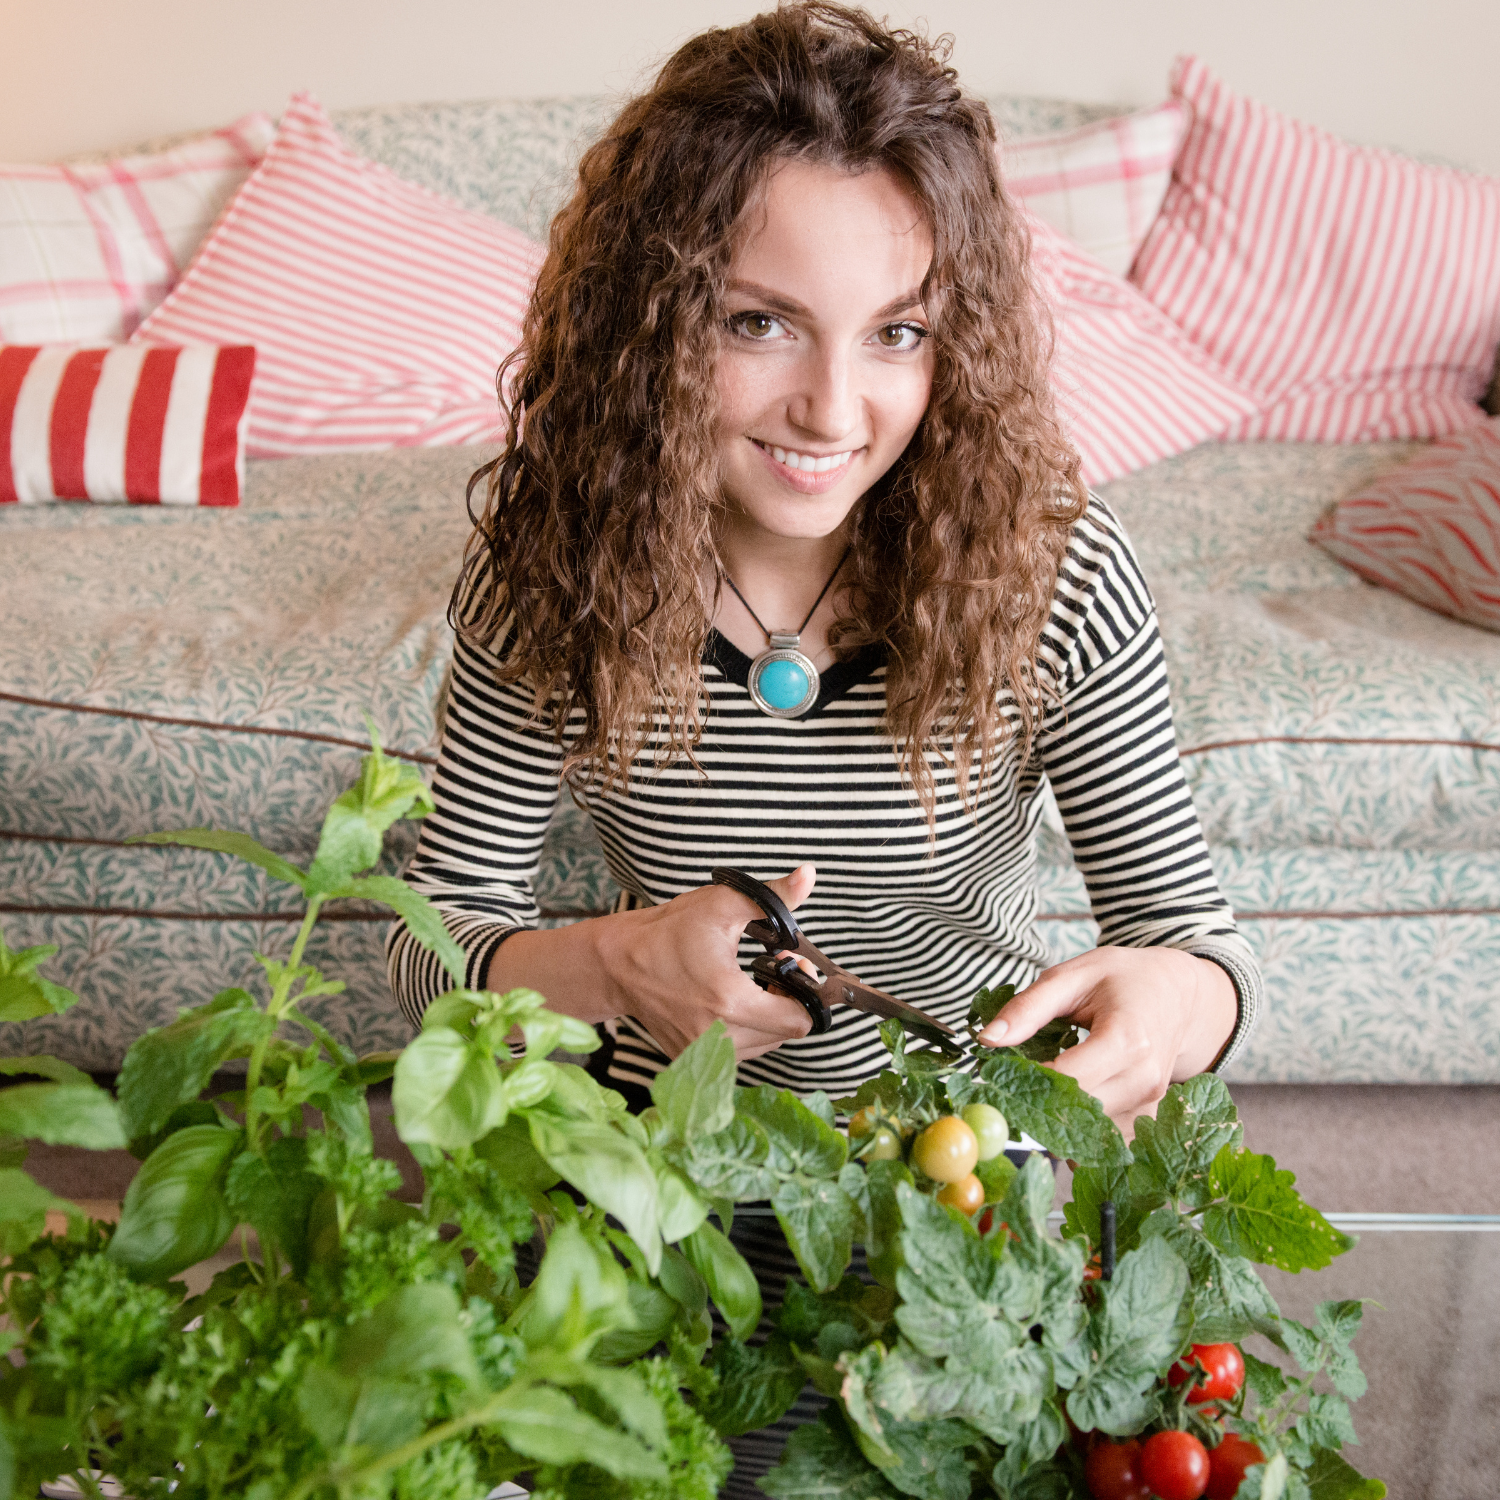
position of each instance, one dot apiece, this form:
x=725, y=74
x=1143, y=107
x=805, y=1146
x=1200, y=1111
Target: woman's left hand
x=1154, y=1017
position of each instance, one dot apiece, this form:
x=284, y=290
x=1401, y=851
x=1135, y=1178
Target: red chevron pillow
x=1430, y=529
x=379, y=311
x=1357, y=292
x=151, y=426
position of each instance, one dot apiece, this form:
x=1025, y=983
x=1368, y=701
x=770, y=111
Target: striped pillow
x=379, y=312
x=152, y=426
x=87, y=249
x=1101, y=185
x=1431, y=528
x=1130, y=387
x=1356, y=291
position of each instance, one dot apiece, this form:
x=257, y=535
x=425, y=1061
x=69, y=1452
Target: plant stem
x=281, y=1000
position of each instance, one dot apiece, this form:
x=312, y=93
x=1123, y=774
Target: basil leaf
x=447, y=1091
x=695, y=1094
x=422, y=918
x=544, y=1424
x=62, y=1114
x=275, y=1193
x=24, y=994
x=175, y=1214
x=415, y=1330
x=24, y=1206
x=241, y=845
x=42, y=1065
x=172, y=1064
x=508, y=1148
x=731, y=1282
x=580, y=1292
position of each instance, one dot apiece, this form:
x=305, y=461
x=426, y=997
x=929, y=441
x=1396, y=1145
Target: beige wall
x=79, y=75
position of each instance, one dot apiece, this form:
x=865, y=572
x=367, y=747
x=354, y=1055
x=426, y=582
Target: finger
x=795, y=888
x=1056, y=992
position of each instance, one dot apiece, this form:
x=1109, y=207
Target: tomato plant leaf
x=731, y=1282
x=1175, y=1152
x=62, y=1114
x=1267, y=1481
x=1095, y=1185
x=800, y=1142
x=241, y=845
x=734, y=1164
x=1049, y=1106
x=174, y=1213
x=171, y=1065
x=1332, y=1477
x=610, y=1169
x=756, y=1385
x=1229, y=1300
x=1136, y=1329
x=988, y=1003
x=695, y=1093
x=1262, y=1217
x=1266, y=1382
x=1327, y=1422
x=819, y=1220
x=882, y=1214
x=24, y=994
x=822, y=1462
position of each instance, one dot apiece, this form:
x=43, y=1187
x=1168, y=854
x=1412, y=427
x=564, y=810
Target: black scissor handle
x=779, y=930
x=787, y=974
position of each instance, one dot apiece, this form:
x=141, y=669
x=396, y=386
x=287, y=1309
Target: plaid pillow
x=1101, y=185
x=88, y=249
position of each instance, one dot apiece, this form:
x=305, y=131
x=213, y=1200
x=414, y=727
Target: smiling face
x=826, y=367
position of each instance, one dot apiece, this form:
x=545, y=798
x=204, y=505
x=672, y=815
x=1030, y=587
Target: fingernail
x=994, y=1033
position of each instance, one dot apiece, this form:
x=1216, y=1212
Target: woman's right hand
x=675, y=968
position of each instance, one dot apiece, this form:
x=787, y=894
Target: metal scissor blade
x=840, y=984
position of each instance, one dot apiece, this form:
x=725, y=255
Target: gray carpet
x=1430, y=1425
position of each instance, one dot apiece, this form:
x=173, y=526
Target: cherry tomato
x=966, y=1195
x=1174, y=1465
x=1112, y=1471
x=1227, y=1464
x=887, y=1146
x=946, y=1151
x=1094, y=1271
x=1226, y=1372
x=989, y=1128
x=861, y=1122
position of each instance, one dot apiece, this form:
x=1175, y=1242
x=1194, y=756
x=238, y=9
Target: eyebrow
x=777, y=302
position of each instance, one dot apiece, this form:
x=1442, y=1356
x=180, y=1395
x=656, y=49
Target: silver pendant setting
x=783, y=681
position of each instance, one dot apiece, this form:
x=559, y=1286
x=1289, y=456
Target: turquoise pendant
x=783, y=680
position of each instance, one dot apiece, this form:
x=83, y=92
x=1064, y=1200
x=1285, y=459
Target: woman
x=784, y=364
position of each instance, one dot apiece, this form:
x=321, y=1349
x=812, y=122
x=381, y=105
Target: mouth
x=810, y=473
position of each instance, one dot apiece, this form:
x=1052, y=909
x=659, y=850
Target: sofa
x=168, y=668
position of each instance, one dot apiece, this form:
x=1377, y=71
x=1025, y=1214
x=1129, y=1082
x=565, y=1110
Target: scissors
x=781, y=935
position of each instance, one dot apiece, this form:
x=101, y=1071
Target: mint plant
x=546, y=1309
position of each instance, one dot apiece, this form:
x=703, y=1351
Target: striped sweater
x=928, y=922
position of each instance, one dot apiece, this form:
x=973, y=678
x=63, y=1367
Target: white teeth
x=807, y=463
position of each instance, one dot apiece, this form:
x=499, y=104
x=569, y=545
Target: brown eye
x=900, y=336
x=755, y=325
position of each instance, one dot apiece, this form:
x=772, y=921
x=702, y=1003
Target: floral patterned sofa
x=168, y=668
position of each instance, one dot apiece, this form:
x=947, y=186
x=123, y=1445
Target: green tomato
x=887, y=1146
x=989, y=1128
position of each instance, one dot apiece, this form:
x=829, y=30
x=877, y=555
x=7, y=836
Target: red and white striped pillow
x=1102, y=185
x=152, y=426
x=1430, y=529
x=88, y=249
x=379, y=312
x=1356, y=291
x=1130, y=387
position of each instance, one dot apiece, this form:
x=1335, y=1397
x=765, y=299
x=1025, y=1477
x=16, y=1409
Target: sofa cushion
x=1356, y=291
x=379, y=312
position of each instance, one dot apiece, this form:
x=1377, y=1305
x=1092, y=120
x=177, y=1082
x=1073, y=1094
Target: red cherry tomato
x=1112, y=1471
x=1174, y=1465
x=1226, y=1372
x=1227, y=1464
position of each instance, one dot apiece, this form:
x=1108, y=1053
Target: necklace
x=783, y=680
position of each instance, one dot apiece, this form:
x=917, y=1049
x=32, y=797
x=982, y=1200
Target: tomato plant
x=989, y=1127
x=1227, y=1464
x=1174, y=1465
x=1112, y=1471
x=1224, y=1372
x=947, y=1150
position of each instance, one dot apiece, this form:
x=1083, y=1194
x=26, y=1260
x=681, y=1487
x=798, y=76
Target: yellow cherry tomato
x=966, y=1195
x=947, y=1150
x=861, y=1122
x=989, y=1128
x=887, y=1146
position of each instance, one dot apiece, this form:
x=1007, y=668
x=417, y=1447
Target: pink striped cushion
x=1132, y=389
x=1356, y=291
x=1101, y=185
x=152, y=426
x=379, y=311
x=1430, y=529
x=88, y=249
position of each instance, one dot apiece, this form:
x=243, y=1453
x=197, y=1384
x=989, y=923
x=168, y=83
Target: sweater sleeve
x=1108, y=748
x=496, y=786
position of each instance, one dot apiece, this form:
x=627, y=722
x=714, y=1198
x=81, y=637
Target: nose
x=826, y=400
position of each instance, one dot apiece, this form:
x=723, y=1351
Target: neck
x=779, y=576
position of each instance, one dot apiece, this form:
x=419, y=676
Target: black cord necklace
x=783, y=680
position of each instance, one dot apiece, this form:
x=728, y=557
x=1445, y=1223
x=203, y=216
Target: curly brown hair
x=594, y=557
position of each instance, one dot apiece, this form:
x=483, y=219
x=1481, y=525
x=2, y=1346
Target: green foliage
x=365, y=1346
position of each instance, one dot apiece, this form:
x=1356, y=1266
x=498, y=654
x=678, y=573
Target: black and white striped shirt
x=928, y=922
